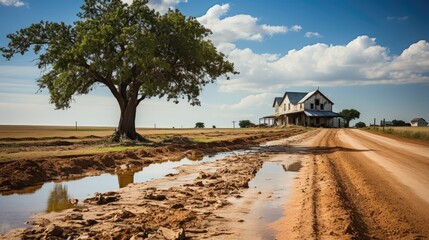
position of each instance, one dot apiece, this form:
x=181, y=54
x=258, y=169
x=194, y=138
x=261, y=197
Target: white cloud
x=360, y=62
x=15, y=3
x=250, y=101
x=313, y=35
x=161, y=6
x=296, y=28
x=232, y=28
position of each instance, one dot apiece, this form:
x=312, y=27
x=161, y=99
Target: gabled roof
x=417, y=119
x=314, y=113
x=311, y=94
x=277, y=100
x=294, y=97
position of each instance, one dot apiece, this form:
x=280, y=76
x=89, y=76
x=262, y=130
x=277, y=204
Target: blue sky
x=369, y=55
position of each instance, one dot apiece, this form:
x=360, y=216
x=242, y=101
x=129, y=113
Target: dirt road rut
x=358, y=185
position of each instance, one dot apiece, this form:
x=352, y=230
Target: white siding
x=327, y=106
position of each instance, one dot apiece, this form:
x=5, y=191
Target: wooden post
x=374, y=123
x=384, y=123
x=75, y=125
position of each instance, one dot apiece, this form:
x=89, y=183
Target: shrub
x=360, y=125
x=199, y=125
x=245, y=123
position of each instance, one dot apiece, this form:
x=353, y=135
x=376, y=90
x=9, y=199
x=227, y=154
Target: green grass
x=5, y=159
x=118, y=148
x=202, y=140
x=418, y=133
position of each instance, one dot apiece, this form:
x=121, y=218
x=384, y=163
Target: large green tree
x=134, y=51
x=348, y=115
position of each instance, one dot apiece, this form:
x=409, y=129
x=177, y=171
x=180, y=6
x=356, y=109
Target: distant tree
x=199, y=125
x=134, y=51
x=214, y=126
x=408, y=124
x=245, y=123
x=398, y=123
x=360, y=125
x=348, y=115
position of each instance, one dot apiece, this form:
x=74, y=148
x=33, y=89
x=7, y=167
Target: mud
x=359, y=187
x=18, y=174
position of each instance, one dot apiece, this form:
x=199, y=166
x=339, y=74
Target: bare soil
x=358, y=185
x=35, y=169
x=352, y=185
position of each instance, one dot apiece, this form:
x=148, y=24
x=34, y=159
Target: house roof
x=298, y=97
x=311, y=94
x=294, y=97
x=277, y=100
x=313, y=113
x=417, y=119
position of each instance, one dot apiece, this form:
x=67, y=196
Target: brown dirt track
x=359, y=185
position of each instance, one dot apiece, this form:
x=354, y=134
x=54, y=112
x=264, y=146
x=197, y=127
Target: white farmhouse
x=306, y=109
x=418, y=122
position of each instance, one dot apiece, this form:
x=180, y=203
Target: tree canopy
x=132, y=50
x=348, y=115
x=245, y=123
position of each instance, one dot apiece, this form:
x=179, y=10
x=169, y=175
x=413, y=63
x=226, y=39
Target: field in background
x=418, y=133
x=32, y=142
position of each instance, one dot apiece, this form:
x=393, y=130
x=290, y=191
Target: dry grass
x=418, y=133
x=35, y=142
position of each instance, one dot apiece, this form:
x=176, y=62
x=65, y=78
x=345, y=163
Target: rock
x=103, y=198
x=169, y=234
x=73, y=216
x=199, y=184
x=177, y=206
x=54, y=230
x=43, y=222
x=74, y=201
x=90, y=222
x=158, y=197
x=196, y=230
x=125, y=214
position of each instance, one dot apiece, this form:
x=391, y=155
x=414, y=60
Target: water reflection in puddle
x=17, y=208
x=274, y=181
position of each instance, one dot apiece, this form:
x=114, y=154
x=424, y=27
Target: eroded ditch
x=16, y=208
x=261, y=213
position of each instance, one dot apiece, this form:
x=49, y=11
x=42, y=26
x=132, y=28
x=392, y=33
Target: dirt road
x=358, y=185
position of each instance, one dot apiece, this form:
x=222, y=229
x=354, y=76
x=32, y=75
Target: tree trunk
x=127, y=124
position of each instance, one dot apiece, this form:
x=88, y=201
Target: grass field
x=30, y=142
x=418, y=133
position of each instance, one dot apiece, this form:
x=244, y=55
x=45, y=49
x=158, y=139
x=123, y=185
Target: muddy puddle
x=273, y=186
x=17, y=208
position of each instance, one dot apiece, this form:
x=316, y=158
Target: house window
x=317, y=102
x=322, y=107
x=289, y=106
x=311, y=106
x=301, y=105
x=284, y=107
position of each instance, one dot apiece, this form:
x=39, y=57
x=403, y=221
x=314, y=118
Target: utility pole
x=233, y=124
x=75, y=125
x=374, y=122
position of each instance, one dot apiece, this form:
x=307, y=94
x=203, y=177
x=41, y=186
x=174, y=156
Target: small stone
x=199, y=184
x=54, y=230
x=177, y=206
x=73, y=216
x=169, y=234
x=74, y=201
